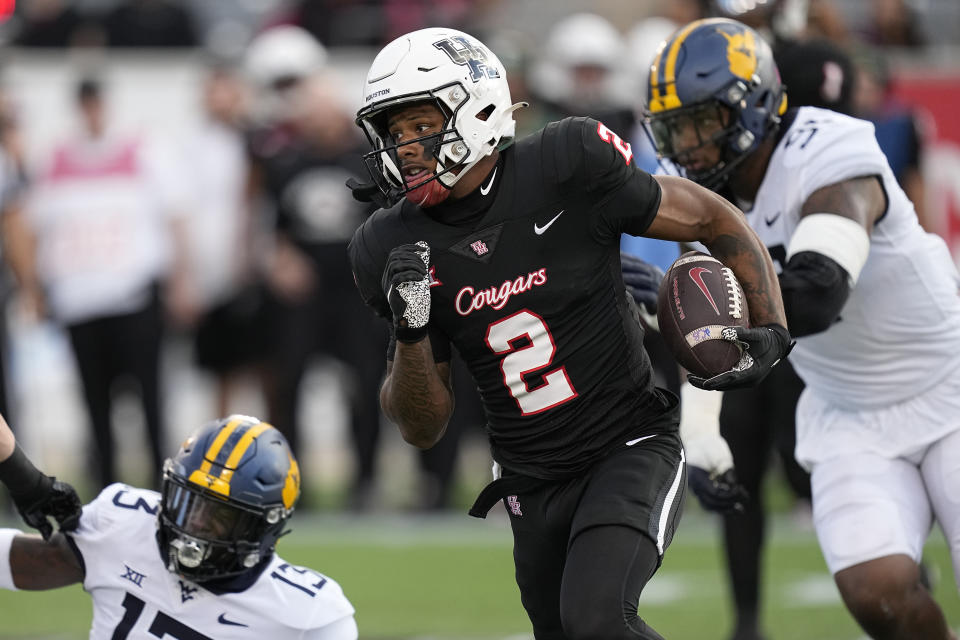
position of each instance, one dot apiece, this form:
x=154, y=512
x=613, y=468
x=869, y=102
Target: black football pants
x=108, y=350
x=584, y=549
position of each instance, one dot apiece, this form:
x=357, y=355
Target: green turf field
x=451, y=577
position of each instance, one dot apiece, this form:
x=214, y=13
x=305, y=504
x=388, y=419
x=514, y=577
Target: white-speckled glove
x=406, y=283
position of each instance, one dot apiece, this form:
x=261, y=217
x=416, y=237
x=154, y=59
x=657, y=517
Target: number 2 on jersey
x=538, y=353
x=609, y=136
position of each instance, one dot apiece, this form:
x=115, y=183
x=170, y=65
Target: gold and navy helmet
x=709, y=71
x=226, y=497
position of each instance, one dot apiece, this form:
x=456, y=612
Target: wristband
x=6, y=574
x=410, y=335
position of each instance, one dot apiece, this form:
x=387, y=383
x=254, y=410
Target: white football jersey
x=899, y=332
x=135, y=597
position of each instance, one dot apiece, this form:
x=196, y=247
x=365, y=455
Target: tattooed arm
x=37, y=565
x=417, y=394
x=689, y=212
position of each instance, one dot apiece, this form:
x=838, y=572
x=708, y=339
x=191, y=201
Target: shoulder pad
x=117, y=507
x=819, y=135
x=823, y=147
x=587, y=154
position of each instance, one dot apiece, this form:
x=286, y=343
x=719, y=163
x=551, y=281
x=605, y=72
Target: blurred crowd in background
x=172, y=179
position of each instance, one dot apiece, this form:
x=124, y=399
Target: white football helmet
x=575, y=43
x=458, y=73
x=283, y=52
x=276, y=63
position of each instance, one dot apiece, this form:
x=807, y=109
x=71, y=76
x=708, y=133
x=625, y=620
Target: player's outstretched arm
x=36, y=495
x=35, y=564
x=709, y=460
x=827, y=251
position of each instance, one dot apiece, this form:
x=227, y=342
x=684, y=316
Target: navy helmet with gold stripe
x=713, y=82
x=226, y=497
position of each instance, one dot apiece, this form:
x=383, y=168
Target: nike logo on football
x=223, y=620
x=630, y=443
x=696, y=274
x=537, y=229
x=773, y=219
x=485, y=190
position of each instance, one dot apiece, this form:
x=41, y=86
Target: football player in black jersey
x=508, y=251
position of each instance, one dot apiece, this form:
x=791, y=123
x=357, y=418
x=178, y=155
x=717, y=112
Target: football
x=698, y=297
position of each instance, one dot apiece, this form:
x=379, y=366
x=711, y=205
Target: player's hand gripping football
x=710, y=469
x=38, y=496
x=642, y=280
x=763, y=347
x=406, y=284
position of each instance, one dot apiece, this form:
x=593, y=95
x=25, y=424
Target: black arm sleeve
x=815, y=288
x=22, y=478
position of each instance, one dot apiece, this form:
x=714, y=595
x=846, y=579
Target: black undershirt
x=470, y=209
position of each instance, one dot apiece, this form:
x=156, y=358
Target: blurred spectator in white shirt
x=104, y=212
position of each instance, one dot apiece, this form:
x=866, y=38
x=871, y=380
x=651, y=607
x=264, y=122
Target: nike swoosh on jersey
x=539, y=230
x=630, y=443
x=484, y=190
x=770, y=221
x=223, y=620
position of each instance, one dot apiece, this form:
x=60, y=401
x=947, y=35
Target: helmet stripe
x=241, y=448
x=670, y=99
x=218, y=443
x=655, y=70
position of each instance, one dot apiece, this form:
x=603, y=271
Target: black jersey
x=529, y=291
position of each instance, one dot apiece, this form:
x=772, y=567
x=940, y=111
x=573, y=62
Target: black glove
x=719, y=492
x=39, y=496
x=406, y=284
x=642, y=280
x=763, y=348
x=371, y=192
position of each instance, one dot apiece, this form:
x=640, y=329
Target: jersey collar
x=469, y=210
